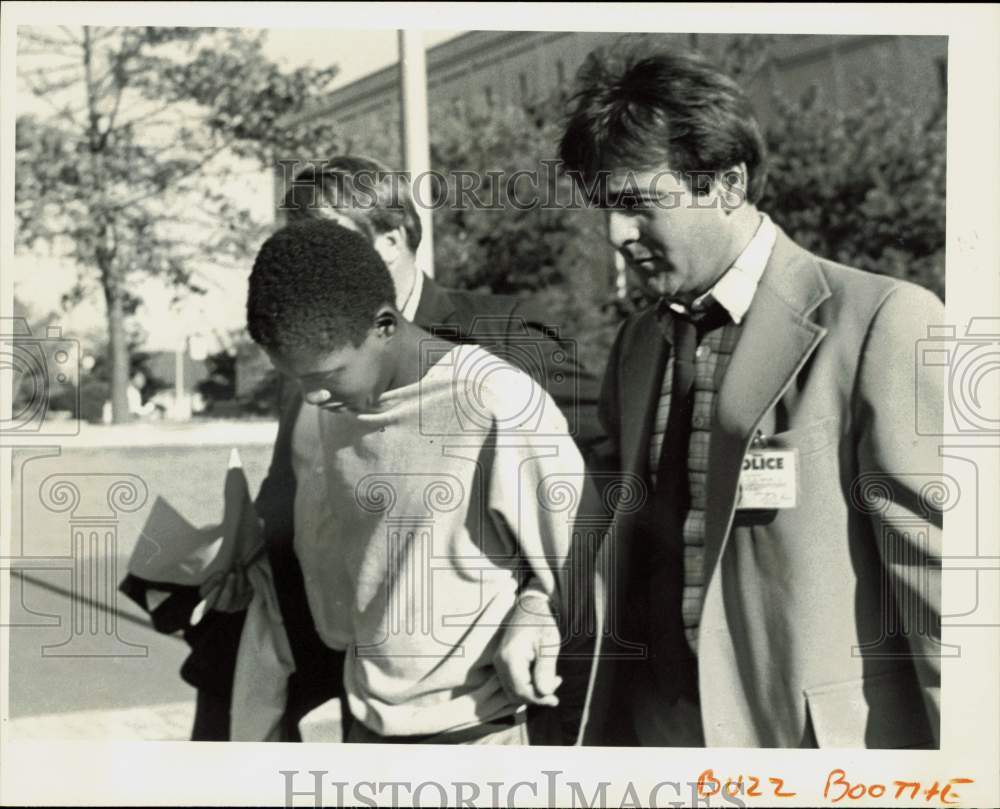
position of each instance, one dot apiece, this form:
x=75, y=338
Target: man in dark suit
x=360, y=194
x=775, y=586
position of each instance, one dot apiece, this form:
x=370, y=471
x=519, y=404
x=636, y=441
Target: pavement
x=116, y=680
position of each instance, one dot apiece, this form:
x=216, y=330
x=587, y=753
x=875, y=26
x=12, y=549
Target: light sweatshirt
x=419, y=525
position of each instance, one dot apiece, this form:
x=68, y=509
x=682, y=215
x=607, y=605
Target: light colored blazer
x=822, y=626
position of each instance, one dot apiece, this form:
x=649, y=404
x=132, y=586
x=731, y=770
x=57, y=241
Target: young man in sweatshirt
x=436, y=559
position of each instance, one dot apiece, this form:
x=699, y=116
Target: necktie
x=673, y=488
x=673, y=663
x=672, y=467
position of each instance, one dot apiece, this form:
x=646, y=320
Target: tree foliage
x=509, y=224
x=863, y=186
x=130, y=171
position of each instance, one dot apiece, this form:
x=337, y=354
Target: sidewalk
x=127, y=687
x=197, y=432
x=159, y=723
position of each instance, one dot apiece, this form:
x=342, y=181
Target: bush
x=865, y=187
x=63, y=398
x=264, y=398
x=219, y=389
x=31, y=393
x=93, y=395
x=525, y=237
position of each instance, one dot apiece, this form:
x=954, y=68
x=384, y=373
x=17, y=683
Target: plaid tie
x=673, y=664
x=671, y=473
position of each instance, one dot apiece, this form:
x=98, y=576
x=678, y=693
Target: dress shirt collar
x=734, y=291
x=409, y=305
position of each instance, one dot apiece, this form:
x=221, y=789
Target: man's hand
x=529, y=649
x=228, y=592
x=235, y=593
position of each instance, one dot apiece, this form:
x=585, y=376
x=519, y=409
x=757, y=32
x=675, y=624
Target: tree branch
x=120, y=82
x=43, y=85
x=48, y=70
x=66, y=111
x=147, y=119
x=70, y=35
x=173, y=180
x=100, y=34
x=31, y=35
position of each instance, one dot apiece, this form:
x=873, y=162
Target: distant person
x=453, y=654
x=137, y=409
x=778, y=588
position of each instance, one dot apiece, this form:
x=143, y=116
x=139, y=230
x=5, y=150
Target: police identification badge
x=769, y=478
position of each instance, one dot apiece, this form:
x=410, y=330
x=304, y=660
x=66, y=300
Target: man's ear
x=386, y=321
x=732, y=187
x=389, y=245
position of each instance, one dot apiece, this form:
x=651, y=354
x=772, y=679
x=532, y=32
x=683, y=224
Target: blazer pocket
x=808, y=439
x=882, y=711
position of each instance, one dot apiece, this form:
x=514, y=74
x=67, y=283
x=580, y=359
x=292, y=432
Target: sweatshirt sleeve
x=536, y=483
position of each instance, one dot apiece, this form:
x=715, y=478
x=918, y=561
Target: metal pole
x=179, y=409
x=415, y=138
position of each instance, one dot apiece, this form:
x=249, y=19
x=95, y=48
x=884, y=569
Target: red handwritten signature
x=837, y=788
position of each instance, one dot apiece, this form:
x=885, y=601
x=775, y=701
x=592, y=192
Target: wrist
x=536, y=602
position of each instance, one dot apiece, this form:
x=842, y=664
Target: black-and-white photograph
x=547, y=388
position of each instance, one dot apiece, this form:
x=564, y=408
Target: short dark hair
x=645, y=108
x=318, y=285
x=372, y=196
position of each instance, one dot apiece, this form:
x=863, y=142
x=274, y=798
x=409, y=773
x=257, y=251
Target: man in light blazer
x=773, y=584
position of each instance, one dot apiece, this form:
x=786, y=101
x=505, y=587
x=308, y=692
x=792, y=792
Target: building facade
x=522, y=67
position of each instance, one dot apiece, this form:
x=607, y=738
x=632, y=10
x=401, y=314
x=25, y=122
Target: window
x=488, y=92
x=523, y=80
x=560, y=72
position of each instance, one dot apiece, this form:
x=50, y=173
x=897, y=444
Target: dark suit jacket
x=820, y=623
x=506, y=326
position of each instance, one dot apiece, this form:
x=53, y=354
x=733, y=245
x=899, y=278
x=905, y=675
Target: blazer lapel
x=778, y=337
x=435, y=308
x=642, y=377
x=643, y=358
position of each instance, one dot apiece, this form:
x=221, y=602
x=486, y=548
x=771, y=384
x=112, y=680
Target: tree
x=512, y=222
x=863, y=186
x=131, y=171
